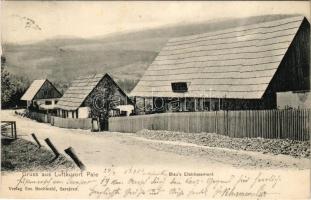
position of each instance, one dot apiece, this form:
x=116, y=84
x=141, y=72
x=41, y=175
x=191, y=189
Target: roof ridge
x=181, y=38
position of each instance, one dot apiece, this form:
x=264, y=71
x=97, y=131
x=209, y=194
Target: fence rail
x=40, y=117
x=8, y=129
x=71, y=123
x=60, y=122
x=292, y=124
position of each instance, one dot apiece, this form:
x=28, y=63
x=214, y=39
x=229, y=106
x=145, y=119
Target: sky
x=32, y=21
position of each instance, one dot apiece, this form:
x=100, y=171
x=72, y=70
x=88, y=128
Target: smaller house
x=41, y=96
x=92, y=97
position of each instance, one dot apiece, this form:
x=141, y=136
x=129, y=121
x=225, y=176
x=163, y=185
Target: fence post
x=49, y=143
x=15, y=131
x=35, y=138
x=12, y=130
x=70, y=152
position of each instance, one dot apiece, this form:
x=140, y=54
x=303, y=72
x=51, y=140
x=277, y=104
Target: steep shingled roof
x=80, y=90
x=33, y=90
x=232, y=63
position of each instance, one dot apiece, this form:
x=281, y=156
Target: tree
x=6, y=89
x=12, y=87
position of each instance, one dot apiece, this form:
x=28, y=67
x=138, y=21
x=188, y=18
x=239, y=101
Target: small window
x=48, y=102
x=179, y=87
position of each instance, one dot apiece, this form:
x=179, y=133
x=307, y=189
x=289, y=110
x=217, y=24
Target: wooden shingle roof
x=232, y=63
x=33, y=90
x=80, y=90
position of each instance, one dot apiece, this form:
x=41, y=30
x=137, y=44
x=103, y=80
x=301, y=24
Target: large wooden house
x=232, y=69
x=92, y=97
x=41, y=95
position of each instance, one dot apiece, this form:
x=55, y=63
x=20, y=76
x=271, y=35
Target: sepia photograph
x=155, y=100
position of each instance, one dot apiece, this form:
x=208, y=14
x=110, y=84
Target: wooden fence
x=61, y=122
x=71, y=123
x=40, y=117
x=292, y=124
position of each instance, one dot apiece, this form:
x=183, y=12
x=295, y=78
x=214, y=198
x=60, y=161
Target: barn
x=232, y=69
x=41, y=95
x=92, y=96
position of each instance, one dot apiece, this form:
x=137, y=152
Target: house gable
x=293, y=73
x=41, y=89
x=47, y=91
x=99, y=95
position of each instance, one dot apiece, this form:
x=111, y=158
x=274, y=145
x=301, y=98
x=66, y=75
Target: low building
x=231, y=69
x=294, y=100
x=94, y=96
x=41, y=96
x=125, y=110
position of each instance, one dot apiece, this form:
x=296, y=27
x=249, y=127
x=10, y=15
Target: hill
x=124, y=55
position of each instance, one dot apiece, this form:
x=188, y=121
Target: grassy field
x=22, y=155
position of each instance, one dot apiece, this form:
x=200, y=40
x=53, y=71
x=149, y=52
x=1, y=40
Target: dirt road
x=119, y=149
